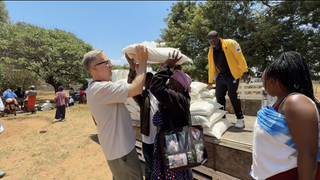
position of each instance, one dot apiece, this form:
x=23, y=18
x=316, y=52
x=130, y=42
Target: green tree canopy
x=4, y=13
x=54, y=55
x=263, y=29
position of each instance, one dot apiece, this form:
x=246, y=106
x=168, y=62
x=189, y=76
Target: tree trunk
x=52, y=82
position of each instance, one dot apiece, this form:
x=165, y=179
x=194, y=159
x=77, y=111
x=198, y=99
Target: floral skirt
x=158, y=172
x=11, y=105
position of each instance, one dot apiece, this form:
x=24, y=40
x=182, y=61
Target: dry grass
x=45, y=95
x=68, y=150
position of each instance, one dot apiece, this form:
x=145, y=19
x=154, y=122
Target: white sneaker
x=240, y=123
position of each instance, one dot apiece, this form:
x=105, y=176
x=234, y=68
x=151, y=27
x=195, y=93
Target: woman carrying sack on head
x=286, y=135
x=175, y=105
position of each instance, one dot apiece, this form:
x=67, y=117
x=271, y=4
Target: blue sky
x=107, y=25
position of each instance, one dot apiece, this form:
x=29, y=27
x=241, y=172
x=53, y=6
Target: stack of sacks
x=199, y=92
x=157, y=55
x=209, y=115
x=131, y=105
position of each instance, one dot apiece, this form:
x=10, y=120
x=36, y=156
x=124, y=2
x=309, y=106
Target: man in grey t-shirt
x=105, y=101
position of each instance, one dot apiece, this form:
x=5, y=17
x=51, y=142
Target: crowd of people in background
x=19, y=100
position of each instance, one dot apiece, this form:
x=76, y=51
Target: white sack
x=207, y=121
x=200, y=120
x=218, y=128
x=206, y=99
x=204, y=108
x=214, y=99
x=216, y=116
x=132, y=110
x=196, y=87
x=205, y=94
x=212, y=92
x=131, y=102
x=46, y=106
x=193, y=97
x=157, y=55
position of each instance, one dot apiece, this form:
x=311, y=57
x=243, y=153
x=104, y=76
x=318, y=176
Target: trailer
x=229, y=158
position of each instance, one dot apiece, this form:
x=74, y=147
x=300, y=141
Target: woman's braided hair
x=293, y=73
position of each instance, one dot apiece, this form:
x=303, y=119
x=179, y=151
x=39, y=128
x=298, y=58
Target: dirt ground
x=67, y=150
x=36, y=146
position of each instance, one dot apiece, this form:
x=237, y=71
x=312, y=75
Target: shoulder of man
x=102, y=84
x=230, y=43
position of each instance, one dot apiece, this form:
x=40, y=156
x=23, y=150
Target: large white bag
x=212, y=92
x=205, y=94
x=46, y=106
x=157, y=55
x=204, y=108
x=207, y=121
x=196, y=87
x=218, y=128
x=193, y=97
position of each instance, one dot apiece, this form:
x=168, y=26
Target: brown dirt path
x=66, y=151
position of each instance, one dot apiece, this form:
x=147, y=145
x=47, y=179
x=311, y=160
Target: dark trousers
x=224, y=84
x=60, y=112
x=147, y=150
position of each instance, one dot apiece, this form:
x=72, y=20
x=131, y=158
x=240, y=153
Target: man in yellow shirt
x=226, y=66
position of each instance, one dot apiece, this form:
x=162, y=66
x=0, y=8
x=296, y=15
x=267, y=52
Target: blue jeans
x=147, y=150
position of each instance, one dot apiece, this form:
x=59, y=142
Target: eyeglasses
x=103, y=62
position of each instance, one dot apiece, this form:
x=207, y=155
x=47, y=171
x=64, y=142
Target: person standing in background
x=20, y=96
x=72, y=94
x=83, y=96
x=61, y=99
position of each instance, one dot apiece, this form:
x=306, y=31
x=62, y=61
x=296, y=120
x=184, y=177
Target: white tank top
x=270, y=156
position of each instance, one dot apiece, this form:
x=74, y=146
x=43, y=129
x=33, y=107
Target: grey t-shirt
x=105, y=101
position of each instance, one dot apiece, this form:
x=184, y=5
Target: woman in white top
x=286, y=136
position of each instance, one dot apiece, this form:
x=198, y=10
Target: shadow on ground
x=234, y=129
x=94, y=137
